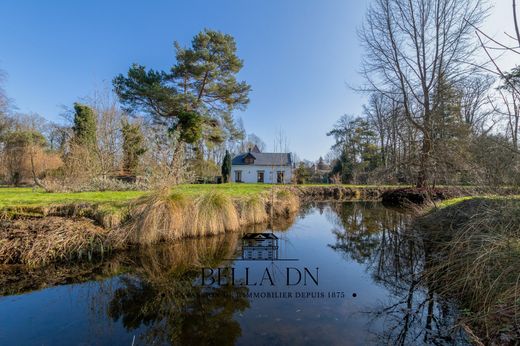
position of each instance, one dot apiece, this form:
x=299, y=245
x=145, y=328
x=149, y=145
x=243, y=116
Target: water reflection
x=154, y=294
x=395, y=257
x=158, y=297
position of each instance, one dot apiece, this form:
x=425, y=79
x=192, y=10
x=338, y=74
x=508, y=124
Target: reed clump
x=165, y=216
x=214, y=213
x=253, y=210
x=284, y=202
x=160, y=216
x=474, y=249
x=40, y=241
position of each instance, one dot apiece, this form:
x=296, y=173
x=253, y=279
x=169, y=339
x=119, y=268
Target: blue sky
x=299, y=55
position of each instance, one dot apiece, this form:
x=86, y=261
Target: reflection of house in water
x=259, y=246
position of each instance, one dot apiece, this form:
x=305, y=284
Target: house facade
x=257, y=167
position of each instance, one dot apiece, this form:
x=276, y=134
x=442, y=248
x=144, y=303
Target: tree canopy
x=197, y=95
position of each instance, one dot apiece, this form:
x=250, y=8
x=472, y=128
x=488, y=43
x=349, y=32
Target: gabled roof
x=259, y=236
x=264, y=159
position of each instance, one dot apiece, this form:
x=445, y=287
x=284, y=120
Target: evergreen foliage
x=226, y=167
x=133, y=146
x=84, y=125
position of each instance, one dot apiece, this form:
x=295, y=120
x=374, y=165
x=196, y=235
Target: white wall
x=249, y=173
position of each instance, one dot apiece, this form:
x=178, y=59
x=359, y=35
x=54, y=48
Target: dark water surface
x=343, y=273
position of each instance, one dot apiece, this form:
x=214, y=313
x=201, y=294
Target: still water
x=338, y=274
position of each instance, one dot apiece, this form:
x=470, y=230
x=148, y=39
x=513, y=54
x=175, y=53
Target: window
x=238, y=176
x=260, y=176
x=280, y=177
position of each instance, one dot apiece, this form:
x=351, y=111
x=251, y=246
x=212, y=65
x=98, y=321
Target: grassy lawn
x=14, y=197
x=29, y=197
x=232, y=189
x=453, y=201
x=20, y=197
x=358, y=186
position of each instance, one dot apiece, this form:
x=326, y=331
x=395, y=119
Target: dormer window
x=249, y=159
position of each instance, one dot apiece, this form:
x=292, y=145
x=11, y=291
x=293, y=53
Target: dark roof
x=259, y=236
x=265, y=159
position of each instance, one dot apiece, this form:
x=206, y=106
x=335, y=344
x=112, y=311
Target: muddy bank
x=102, y=217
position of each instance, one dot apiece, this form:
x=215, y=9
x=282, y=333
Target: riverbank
x=38, y=228
x=411, y=197
x=109, y=208
x=473, y=247
x=472, y=243
x=41, y=232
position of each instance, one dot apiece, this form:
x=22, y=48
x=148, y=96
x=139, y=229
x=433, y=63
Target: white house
x=257, y=167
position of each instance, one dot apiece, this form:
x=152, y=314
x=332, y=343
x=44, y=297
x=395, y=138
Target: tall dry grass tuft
x=214, y=213
x=475, y=257
x=160, y=216
x=41, y=241
x=284, y=203
x=253, y=210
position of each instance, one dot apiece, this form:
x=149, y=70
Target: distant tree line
x=153, y=128
x=435, y=114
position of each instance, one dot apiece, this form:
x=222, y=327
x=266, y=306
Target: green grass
x=28, y=197
x=112, y=201
x=230, y=189
x=20, y=197
x=453, y=201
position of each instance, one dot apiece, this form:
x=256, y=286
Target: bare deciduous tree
x=411, y=46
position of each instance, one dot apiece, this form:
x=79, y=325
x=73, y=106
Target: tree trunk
x=422, y=177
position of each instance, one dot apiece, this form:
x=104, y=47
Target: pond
x=339, y=273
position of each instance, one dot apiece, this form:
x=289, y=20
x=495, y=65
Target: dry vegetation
x=253, y=210
x=161, y=216
x=475, y=257
x=41, y=241
x=214, y=213
x=165, y=216
x=284, y=203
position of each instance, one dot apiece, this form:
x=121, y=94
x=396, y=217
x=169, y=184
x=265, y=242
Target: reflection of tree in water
x=358, y=227
x=160, y=296
x=395, y=258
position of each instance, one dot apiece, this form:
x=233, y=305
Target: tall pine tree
x=197, y=95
